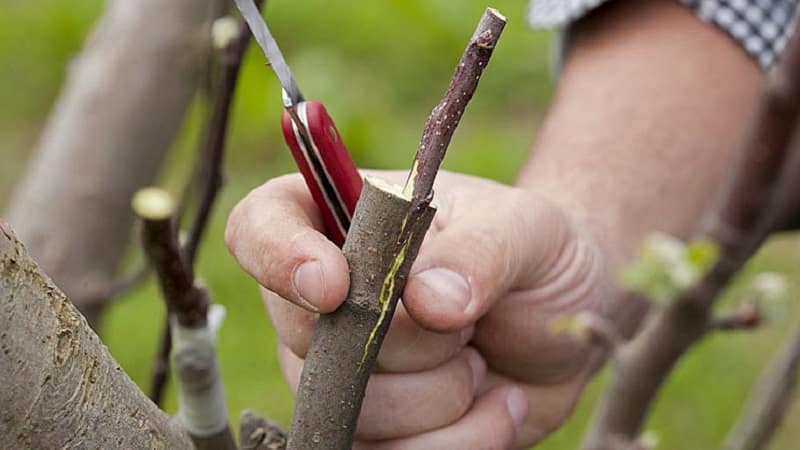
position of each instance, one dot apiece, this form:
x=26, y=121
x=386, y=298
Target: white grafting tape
x=201, y=399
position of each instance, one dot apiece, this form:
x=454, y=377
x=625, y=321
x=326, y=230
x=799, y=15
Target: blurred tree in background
x=379, y=67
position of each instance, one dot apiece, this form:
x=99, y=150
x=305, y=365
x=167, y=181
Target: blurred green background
x=379, y=67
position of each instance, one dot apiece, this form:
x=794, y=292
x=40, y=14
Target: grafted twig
x=741, y=221
x=769, y=401
x=201, y=401
x=447, y=114
x=384, y=238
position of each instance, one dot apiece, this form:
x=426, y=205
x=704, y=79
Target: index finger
x=275, y=235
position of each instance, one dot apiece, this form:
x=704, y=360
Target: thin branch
x=209, y=172
x=447, y=114
x=160, y=373
x=201, y=401
x=769, y=401
x=381, y=245
x=216, y=130
x=742, y=220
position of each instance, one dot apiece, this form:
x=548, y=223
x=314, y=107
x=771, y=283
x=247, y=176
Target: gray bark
x=122, y=105
x=61, y=388
x=381, y=245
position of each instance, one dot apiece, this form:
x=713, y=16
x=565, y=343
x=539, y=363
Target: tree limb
x=740, y=222
x=61, y=387
x=120, y=108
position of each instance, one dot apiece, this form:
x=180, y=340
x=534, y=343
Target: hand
x=496, y=266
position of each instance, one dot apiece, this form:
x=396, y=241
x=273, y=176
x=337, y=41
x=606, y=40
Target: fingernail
x=449, y=286
x=309, y=283
x=478, y=370
x=517, y=404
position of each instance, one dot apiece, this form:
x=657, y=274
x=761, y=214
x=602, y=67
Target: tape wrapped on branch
x=201, y=401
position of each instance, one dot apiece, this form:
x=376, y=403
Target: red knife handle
x=326, y=165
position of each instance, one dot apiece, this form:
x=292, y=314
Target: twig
x=209, y=171
x=769, y=401
x=230, y=62
x=160, y=374
x=447, y=114
x=193, y=327
x=740, y=223
x=381, y=245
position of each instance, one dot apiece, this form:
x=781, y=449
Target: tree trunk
x=121, y=106
x=61, y=388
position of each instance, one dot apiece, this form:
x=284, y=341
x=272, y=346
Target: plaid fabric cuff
x=762, y=27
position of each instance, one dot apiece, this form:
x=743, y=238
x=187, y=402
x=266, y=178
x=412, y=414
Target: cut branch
x=387, y=229
x=769, y=401
x=741, y=221
x=61, y=387
x=193, y=326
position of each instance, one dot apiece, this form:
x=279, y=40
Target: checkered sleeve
x=762, y=27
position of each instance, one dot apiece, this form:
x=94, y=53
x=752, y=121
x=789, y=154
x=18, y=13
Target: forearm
x=650, y=107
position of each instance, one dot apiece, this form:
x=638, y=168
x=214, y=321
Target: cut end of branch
x=391, y=188
x=493, y=12
x=153, y=203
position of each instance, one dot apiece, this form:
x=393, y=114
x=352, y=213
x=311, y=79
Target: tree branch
x=741, y=221
x=193, y=326
x=387, y=229
x=118, y=112
x=769, y=401
x=61, y=386
x=257, y=433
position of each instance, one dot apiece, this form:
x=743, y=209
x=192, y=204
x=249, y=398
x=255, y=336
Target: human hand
x=496, y=266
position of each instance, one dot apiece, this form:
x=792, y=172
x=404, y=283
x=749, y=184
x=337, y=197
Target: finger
x=274, y=235
x=397, y=405
x=491, y=423
x=406, y=348
x=495, y=239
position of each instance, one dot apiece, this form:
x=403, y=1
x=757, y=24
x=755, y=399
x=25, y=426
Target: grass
x=379, y=68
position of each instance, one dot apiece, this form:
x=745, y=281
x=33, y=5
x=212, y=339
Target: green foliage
x=666, y=266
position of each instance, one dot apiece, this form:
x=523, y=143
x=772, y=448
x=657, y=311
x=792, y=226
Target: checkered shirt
x=762, y=27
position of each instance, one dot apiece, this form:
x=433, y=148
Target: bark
x=745, y=215
x=257, y=433
x=345, y=345
x=122, y=104
x=769, y=401
x=61, y=387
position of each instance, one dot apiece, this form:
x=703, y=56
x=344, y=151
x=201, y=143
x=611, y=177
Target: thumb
x=485, y=247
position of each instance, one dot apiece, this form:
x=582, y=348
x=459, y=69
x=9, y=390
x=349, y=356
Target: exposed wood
x=61, y=387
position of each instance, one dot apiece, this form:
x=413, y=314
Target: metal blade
x=267, y=43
